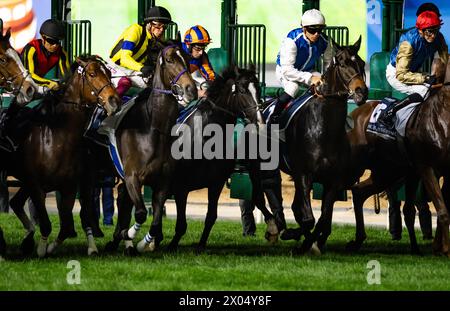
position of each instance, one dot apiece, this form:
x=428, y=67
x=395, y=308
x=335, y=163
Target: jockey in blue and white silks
x=298, y=53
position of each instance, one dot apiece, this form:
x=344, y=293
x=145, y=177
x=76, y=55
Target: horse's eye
x=92, y=74
x=169, y=60
x=2, y=60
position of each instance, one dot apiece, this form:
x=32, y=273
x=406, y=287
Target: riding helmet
x=158, y=13
x=428, y=19
x=313, y=17
x=197, y=35
x=53, y=29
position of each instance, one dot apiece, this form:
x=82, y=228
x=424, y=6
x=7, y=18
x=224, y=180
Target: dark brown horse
x=14, y=78
x=50, y=157
x=427, y=147
x=318, y=148
x=144, y=140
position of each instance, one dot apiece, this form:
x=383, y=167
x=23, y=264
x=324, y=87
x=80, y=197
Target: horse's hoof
x=291, y=234
x=97, y=233
x=172, y=247
x=41, y=250
x=271, y=238
x=130, y=252
x=200, y=249
x=144, y=247
x=51, y=247
x=314, y=250
x=111, y=246
x=92, y=251
x=27, y=246
x=73, y=234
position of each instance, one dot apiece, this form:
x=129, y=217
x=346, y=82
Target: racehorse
x=233, y=94
x=427, y=157
x=317, y=146
x=13, y=76
x=143, y=140
x=51, y=156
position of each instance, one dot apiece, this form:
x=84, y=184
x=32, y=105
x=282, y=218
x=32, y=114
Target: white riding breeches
x=391, y=72
x=117, y=72
x=290, y=87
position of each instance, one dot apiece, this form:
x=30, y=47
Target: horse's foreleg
x=409, y=212
x=124, y=209
x=360, y=193
x=17, y=205
x=38, y=197
x=140, y=213
x=181, y=224
x=211, y=215
x=275, y=200
x=323, y=227
x=154, y=236
x=432, y=186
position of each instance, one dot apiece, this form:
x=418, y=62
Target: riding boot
x=91, y=133
x=280, y=104
x=387, y=117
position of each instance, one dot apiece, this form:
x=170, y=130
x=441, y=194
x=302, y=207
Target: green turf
x=230, y=263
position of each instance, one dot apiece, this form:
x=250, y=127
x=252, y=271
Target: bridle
x=175, y=89
x=94, y=91
x=9, y=80
x=345, y=82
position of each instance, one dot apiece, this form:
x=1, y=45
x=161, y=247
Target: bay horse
x=143, y=140
x=51, y=155
x=427, y=138
x=14, y=78
x=317, y=145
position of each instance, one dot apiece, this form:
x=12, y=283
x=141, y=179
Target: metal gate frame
x=78, y=38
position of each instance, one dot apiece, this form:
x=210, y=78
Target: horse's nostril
x=29, y=91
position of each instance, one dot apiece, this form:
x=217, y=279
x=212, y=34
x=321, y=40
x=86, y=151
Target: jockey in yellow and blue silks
x=298, y=53
x=196, y=39
x=130, y=51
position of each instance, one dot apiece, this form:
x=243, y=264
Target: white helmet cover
x=313, y=17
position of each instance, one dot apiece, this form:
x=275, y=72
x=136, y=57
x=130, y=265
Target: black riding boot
x=387, y=116
x=280, y=103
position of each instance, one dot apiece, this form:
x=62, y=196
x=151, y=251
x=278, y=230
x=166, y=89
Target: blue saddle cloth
x=289, y=111
x=285, y=119
x=188, y=111
x=378, y=128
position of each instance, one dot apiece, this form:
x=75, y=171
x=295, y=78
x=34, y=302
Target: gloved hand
x=430, y=80
x=316, y=80
x=146, y=71
x=53, y=85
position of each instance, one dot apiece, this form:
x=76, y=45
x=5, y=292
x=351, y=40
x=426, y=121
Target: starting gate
x=78, y=38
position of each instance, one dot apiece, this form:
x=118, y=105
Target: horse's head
x=346, y=72
x=238, y=90
x=13, y=76
x=96, y=83
x=173, y=73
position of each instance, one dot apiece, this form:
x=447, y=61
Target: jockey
x=415, y=47
x=130, y=52
x=298, y=53
x=39, y=56
x=196, y=39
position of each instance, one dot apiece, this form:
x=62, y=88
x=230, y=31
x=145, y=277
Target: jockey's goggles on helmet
x=314, y=29
x=51, y=40
x=158, y=25
x=198, y=47
x=431, y=31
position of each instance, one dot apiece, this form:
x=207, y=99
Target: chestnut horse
x=427, y=145
x=50, y=157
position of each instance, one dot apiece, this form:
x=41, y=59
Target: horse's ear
x=178, y=38
x=357, y=44
x=81, y=62
x=334, y=45
x=252, y=66
x=8, y=33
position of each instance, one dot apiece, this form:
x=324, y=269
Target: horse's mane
x=215, y=90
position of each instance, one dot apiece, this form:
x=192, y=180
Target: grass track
x=230, y=263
